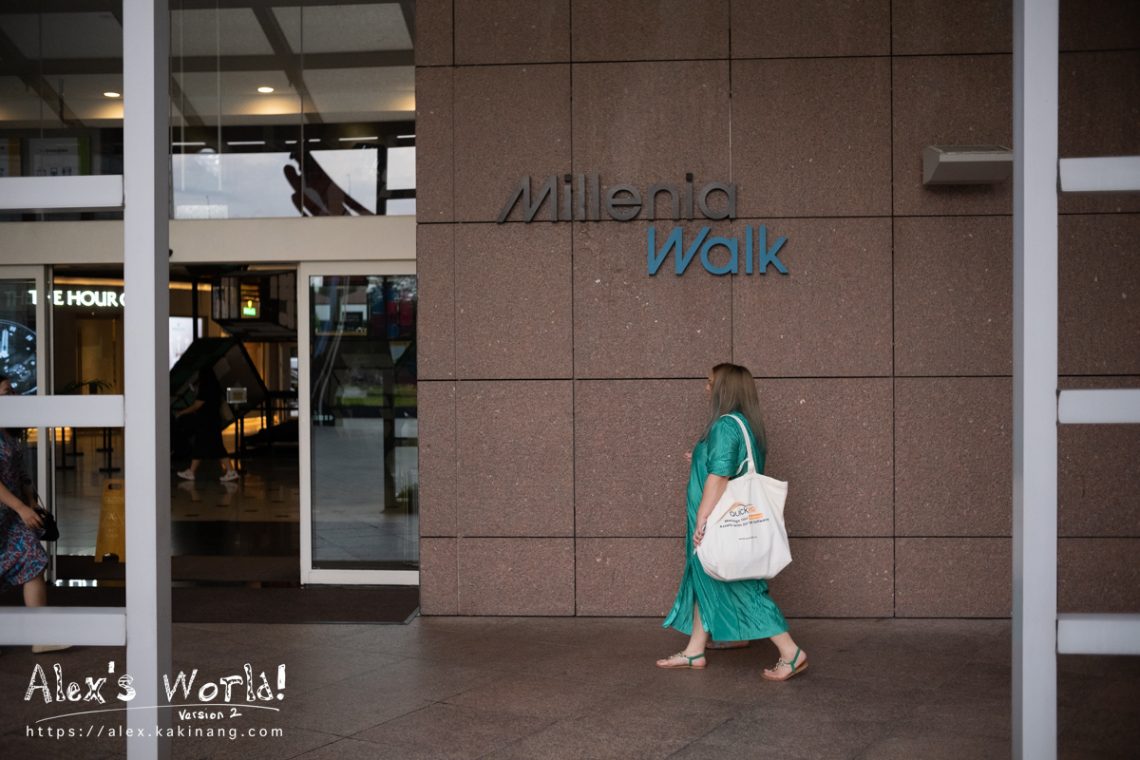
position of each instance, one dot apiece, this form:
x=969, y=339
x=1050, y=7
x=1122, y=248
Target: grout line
x=732, y=180
x=571, y=61
x=712, y=730
x=762, y=378
x=894, y=333
x=779, y=217
x=796, y=536
x=454, y=325
x=573, y=351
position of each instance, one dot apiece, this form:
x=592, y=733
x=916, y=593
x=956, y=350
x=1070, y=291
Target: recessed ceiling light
x=112, y=94
x=265, y=90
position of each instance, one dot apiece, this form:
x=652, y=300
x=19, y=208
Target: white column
x=146, y=72
x=1035, y=296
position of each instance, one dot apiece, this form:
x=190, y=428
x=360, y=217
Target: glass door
x=358, y=426
x=24, y=316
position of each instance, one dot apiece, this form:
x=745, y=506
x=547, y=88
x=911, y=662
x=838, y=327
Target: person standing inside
x=704, y=607
x=206, y=431
x=22, y=556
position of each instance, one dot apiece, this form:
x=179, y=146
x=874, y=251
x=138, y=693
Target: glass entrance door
x=24, y=354
x=359, y=447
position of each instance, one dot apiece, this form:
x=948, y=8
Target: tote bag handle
x=747, y=442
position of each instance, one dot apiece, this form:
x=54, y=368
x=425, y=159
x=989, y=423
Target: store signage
x=90, y=299
x=758, y=256
x=620, y=202
x=581, y=198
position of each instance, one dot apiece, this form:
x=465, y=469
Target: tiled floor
x=266, y=496
x=586, y=688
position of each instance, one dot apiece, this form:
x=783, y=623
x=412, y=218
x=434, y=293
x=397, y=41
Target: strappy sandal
x=688, y=661
x=795, y=669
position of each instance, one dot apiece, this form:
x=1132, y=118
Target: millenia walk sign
x=581, y=198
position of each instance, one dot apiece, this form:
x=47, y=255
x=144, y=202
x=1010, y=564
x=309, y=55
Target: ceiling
x=332, y=61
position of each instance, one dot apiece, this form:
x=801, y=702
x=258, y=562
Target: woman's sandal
x=688, y=661
x=794, y=669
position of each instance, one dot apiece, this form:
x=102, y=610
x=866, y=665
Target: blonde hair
x=734, y=390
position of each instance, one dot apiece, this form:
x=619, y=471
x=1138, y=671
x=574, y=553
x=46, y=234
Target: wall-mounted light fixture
x=966, y=164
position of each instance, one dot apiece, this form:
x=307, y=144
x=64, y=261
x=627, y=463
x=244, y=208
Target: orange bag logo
x=749, y=511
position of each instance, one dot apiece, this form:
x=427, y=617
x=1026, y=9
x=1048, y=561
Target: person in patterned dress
x=22, y=556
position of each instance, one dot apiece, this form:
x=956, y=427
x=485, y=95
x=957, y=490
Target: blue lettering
x=754, y=260
x=656, y=259
x=682, y=257
x=747, y=250
x=733, y=261
x=770, y=255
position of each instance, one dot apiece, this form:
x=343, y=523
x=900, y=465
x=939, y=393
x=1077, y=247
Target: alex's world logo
x=581, y=198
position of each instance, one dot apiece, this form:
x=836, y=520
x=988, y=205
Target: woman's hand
x=688, y=456
x=700, y=534
x=31, y=518
x=714, y=487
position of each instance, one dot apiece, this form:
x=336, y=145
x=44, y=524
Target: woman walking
x=206, y=441
x=735, y=610
x=22, y=556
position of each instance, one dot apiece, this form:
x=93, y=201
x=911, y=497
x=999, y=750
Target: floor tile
x=587, y=688
x=446, y=731
x=533, y=697
x=945, y=746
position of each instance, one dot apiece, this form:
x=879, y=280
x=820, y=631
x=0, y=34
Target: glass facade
x=365, y=510
x=18, y=334
x=61, y=81
x=277, y=109
x=285, y=110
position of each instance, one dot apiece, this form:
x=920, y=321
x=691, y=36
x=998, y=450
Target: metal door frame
x=41, y=276
x=309, y=575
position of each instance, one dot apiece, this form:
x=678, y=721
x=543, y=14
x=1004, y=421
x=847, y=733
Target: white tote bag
x=745, y=536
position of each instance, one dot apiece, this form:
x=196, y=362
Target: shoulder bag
x=745, y=536
x=50, y=530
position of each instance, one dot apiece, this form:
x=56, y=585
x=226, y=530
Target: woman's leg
x=229, y=471
x=35, y=595
x=35, y=592
x=696, y=646
x=699, y=637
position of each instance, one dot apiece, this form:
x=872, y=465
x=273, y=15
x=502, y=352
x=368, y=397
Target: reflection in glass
x=302, y=109
x=61, y=80
x=364, y=429
x=18, y=334
x=291, y=110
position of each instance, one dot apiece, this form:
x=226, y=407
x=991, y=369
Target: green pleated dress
x=735, y=610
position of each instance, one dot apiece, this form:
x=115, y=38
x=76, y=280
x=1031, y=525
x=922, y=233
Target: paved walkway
x=586, y=688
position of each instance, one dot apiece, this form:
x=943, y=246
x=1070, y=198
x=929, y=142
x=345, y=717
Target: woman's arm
x=198, y=404
x=714, y=489
x=26, y=513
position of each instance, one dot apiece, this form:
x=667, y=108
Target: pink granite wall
x=561, y=385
